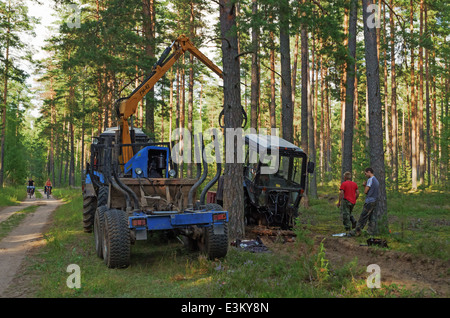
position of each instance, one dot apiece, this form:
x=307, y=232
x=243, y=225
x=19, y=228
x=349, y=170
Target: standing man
x=348, y=194
x=371, y=189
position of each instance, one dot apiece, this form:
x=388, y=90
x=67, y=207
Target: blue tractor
x=131, y=187
x=122, y=203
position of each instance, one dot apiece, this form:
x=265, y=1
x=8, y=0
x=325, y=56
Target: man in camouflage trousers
x=348, y=194
x=371, y=189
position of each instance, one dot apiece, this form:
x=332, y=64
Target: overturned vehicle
x=275, y=177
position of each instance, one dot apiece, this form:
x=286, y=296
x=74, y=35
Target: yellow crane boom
x=126, y=107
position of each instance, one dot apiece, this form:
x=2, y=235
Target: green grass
x=12, y=195
x=418, y=222
x=161, y=267
x=14, y=220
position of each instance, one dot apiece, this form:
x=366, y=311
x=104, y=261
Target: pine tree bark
x=347, y=149
x=376, y=118
x=233, y=177
x=420, y=110
x=387, y=122
x=191, y=87
x=149, y=34
x=427, y=101
x=322, y=121
x=312, y=189
x=343, y=84
x=287, y=112
x=273, y=119
x=304, y=100
x=413, y=107
x=394, y=114
x=3, y=107
x=255, y=81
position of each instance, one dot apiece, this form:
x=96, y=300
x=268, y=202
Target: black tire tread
x=89, y=207
x=99, y=222
x=102, y=198
x=117, y=239
x=216, y=244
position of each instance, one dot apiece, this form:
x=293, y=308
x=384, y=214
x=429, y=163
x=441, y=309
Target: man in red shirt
x=348, y=195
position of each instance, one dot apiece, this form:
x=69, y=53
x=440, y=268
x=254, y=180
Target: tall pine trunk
x=273, y=119
x=413, y=107
x=375, y=117
x=347, y=149
x=420, y=110
x=233, y=176
x=394, y=116
x=304, y=100
x=191, y=87
x=3, y=107
x=255, y=85
x=287, y=112
x=149, y=34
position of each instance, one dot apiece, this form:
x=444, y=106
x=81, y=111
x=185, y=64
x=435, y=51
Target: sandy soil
x=22, y=240
x=410, y=272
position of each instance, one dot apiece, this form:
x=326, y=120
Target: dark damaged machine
x=275, y=174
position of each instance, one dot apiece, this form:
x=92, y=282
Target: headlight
x=172, y=173
x=138, y=171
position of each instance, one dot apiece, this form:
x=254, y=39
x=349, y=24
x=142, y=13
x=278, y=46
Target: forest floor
x=426, y=276
x=33, y=253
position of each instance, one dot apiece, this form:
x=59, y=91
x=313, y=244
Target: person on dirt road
x=371, y=189
x=30, y=186
x=48, y=186
x=348, y=194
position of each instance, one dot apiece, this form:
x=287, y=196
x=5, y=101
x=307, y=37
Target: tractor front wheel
x=116, y=239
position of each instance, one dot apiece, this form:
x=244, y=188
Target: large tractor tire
x=89, y=207
x=90, y=204
x=99, y=222
x=102, y=198
x=215, y=245
x=116, y=239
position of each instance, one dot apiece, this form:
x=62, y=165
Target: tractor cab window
x=287, y=175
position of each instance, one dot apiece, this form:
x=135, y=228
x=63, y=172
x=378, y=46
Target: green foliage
x=12, y=195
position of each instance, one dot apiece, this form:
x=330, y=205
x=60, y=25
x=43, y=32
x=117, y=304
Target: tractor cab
x=275, y=173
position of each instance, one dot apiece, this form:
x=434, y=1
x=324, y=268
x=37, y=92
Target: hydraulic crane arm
x=126, y=107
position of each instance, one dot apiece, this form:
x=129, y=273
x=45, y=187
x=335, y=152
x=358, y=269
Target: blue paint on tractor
x=140, y=160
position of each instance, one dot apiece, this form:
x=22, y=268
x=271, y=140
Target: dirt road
x=22, y=239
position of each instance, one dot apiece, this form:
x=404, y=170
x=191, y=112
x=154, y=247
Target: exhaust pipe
x=219, y=170
x=203, y=176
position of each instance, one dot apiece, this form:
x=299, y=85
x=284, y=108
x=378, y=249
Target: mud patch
x=414, y=273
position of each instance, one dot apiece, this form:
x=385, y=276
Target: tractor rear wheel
x=89, y=207
x=116, y=239
x=215, y=245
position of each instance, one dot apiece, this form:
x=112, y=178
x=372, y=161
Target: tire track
x=27, y=235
